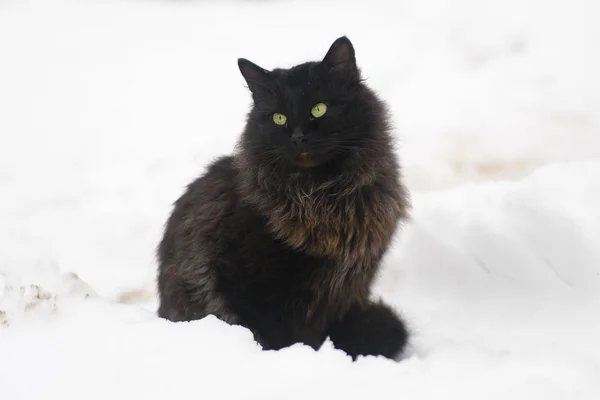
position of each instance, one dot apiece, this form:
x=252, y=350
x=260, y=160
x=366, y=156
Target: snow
x=107, y=109
x=499, y=283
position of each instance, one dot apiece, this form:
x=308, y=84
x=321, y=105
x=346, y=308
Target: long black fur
x=285, y=237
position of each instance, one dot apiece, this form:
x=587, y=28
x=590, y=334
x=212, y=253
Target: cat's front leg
x=371, y=330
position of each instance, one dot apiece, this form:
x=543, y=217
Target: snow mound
x=509, y=266
x=37, y=291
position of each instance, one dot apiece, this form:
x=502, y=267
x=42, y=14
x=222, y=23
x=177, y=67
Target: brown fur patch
x=333, y=227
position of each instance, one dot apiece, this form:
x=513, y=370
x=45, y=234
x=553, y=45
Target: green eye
x=279, y=119
x=318, y=110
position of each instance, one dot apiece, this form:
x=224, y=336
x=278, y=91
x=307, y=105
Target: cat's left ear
x=340, y=58
x=256, y=77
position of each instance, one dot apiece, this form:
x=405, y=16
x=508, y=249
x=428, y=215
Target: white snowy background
x=108, y=108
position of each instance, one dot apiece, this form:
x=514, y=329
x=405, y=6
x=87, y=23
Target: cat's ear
x=255, y=76
x=340, y=58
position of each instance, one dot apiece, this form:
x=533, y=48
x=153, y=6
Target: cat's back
x=194, y=221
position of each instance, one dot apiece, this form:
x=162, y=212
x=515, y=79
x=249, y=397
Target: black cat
x=286, y=235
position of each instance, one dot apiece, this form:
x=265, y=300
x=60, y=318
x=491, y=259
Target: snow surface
x=108, y=109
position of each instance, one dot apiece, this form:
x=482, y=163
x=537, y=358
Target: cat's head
x=312, y=115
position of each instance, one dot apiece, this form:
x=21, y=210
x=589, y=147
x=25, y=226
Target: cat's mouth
x=306, y=160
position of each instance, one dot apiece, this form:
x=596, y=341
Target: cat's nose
x=298, y=138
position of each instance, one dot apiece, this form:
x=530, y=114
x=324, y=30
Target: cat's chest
x=345, y=229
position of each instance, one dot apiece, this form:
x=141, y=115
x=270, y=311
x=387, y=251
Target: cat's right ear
x=256, y=77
